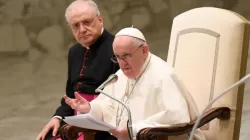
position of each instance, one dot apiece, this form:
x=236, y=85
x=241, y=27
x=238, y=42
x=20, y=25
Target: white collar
x=102, y=30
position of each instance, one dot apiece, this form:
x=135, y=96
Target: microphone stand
x=129, y=124
x=241, y=81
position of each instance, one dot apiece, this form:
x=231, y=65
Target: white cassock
x=153, y=98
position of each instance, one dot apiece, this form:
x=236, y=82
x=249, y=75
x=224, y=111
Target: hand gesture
x=80, y=104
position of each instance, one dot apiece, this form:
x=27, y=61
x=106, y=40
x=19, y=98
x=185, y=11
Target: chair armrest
x=69, y=132
x=222, y=113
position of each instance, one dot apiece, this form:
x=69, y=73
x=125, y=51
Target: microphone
x=241, y=81
x=112, y=79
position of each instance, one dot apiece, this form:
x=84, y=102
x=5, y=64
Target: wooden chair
x=208, y=50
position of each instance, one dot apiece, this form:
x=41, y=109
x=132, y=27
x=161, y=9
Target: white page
x=89, y=122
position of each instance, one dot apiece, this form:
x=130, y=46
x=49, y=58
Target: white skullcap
x=130, y=31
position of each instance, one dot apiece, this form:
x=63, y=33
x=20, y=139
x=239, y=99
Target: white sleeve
x=103, y=107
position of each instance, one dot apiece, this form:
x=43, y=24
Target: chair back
x=208, y=50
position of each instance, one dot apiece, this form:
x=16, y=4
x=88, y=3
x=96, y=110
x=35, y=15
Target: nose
x=122, y=62
x=82, y=28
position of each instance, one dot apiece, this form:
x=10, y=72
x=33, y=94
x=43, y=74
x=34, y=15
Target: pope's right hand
x=80, y=104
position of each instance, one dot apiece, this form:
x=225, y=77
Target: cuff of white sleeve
x=59, y=117
x=79, y=113
x=95, y=110
x=134, y=131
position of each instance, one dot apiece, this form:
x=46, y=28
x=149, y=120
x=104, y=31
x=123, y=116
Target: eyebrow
x=88, y=18
x=81, y=20
x=123, y=54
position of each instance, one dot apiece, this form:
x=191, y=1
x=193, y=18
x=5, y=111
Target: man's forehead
x=80, y=9
x=123, y=41
x=80, y=13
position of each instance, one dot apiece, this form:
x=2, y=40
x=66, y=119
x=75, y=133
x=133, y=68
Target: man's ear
x=145, y=49
x=100, y=18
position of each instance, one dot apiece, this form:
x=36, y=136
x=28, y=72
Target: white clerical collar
x=144, y=66
x=102, y=30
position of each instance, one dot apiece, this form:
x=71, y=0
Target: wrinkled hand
x=53, y=124
x=121, y=133
x=80, y=104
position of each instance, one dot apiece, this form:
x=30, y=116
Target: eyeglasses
x=125, y=57
x=85, y=23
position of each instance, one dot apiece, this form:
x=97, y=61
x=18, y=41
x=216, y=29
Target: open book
x=89, y=122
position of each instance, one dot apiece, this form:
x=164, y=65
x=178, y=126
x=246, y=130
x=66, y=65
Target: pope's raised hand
x=80, y=104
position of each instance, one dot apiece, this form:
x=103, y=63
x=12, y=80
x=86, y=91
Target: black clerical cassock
x=87, y=69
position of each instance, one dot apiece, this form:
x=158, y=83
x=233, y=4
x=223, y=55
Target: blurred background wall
x=34, y=41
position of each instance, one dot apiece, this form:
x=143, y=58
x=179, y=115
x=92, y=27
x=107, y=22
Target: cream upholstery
x=208, y=50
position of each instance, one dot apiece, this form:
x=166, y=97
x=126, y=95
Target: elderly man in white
x=144, y=84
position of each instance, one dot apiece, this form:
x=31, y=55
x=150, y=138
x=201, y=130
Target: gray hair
x=137, y=41
x=90, y=3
